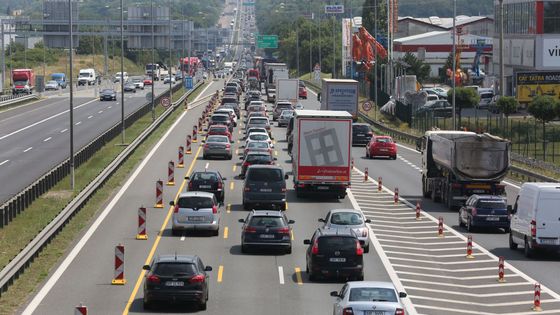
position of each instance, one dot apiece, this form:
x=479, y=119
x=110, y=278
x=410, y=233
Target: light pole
x=297, y=49
x=153, y=59
x=334, y=47
x=122, y=75
x=502, y=74
x=454, y=65
x=170, y=56
x=3, y=55
x=310, y=42
x=71, y=111
x=375, y=65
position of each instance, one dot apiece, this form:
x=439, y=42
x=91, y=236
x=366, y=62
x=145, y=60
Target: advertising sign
x=531, y=84
x=334, y=9
x=343, y=97
x=551, y=52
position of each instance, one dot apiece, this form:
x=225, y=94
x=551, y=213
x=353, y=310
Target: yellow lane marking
x=228, y=208
x=226, y=231
x=234, y=168
x=231, y=185
x=293, y=238
x=158, y=238
x=276, y=152
x=236, y=152
x=298, y=276
x=220, y=273
x=286, y=205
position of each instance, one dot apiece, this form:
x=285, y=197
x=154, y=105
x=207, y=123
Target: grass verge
x=17, y=234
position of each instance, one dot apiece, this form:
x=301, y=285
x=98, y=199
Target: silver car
x=262, y=122
x=196, y=210
x=349, y=219
x=364, y=296
x=51, y=85
x=285, y=117
x=217, y=146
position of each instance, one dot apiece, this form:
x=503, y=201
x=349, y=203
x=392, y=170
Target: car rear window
x=491, y=204
x=205, y=176
x=259, y=157
x=346, y=218
x=219, y=118
x=258, y=137
x=174, y=269
x=266, y=221
x=372, y=294
x=195, y=202
x=384, y=140
x=283, y=106
x=361, y=128
x=218, y=130
x=265, y=175
x=217, y=139
x=258, y=121
x=260, y=145
x=337, y=243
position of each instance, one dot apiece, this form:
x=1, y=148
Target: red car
x=381, y=146
x=302, y=92
x=148, y=81
x=220, y=130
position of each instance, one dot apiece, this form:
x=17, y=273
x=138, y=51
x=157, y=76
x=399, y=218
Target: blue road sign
x=188, y=83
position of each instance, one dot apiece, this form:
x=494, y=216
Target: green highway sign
x=267, y=41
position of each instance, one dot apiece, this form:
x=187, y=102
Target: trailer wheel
x=425, y=191
x=434, y=196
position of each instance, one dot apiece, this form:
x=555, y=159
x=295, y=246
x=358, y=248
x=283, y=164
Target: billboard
x=334, y=9
x=531, y=84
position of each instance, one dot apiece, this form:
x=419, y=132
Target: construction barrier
x=418, y=210
x=171, y=173
x=469, y=248
x=188, y=146
x=186, y=104
x=180, y=159
x=194, y=134
x=366, y=175
x=440, y=227
x=537, y=298
x=379, y=184
x=119, y=266
x=501, y=272
x=142, y=234
x=80, y=310
x=159, y=194
x=396, y=197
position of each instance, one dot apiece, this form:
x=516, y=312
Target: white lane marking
x=99, y=112
x=43, y=120
x=79, y=122
x=207, y=164
x=63, y=130
x=110, y=107
x=37, y=299
x=28, y=149
x=47, y=139
x=525, y=302
x=183, y=238
x=281, y=274
x=4, y=162
x=90, y=117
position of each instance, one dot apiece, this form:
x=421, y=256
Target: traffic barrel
x=181, y=160
x=119, y=266
x=159, y=194
x=440, y=227
x=469, y=248
x=379, y=184
x=366, y=175
x=186, y=104
x=142, y=234
x=171, y=173
x=194, y=134
x=80, y=310
x=501, y=272
x=200, y=124
x=418, y=210
x=537, y=298
x=188, y=145
x=352, y=164
x=396, y=197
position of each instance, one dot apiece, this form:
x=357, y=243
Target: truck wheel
x=425, y=191
x=512, y=245
x=435, y=197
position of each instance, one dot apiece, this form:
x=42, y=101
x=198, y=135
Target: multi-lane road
x=35, y=137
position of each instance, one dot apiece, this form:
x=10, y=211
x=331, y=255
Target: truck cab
x=23, y=81
x=87, y=77
x=60, y=78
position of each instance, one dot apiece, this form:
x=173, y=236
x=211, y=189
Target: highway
x=35, y=137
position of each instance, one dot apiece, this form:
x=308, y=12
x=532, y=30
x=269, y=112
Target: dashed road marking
x=231, y=185
x=228, y=208
x=220, y=273
x=63, y=130
x=281, y=274
x=234, y=168
x=298, y=276
x=226, y=232
x=99, y=112
x=47, y=139
x=28, y=149
x=79, y=122
x=4, y=162
x=90, y=117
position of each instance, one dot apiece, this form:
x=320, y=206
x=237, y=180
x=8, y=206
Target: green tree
x=368, y=16
x=543, y=108
x=417, y=67
x=464, y=98
x=507, y=105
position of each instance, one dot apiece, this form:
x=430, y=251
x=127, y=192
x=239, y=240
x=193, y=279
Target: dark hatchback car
x=440, y=108
x=209, y=181
x=108, y=95
x=334, y=253
x=486, y=211
x=265, y=186
x=361, y=134
x=176, y=278
x=266, y=229
x=255, y=158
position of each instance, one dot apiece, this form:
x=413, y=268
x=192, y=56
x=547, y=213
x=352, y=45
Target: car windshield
x=266, y=221
x=169, y=269
x=258, y=137
x=205, y=176
x=265, y=174
x=383, y=140
x=372, y=294
x=217, y=139
x=195, y=202
x=491, y=204
x=360, y=128
x=346, y=218
x=107, y=91
x=218, y=130
x=259, y=145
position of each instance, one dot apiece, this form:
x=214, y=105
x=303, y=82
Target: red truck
x=23, y=81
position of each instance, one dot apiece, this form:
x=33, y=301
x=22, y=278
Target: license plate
x=360, y=135
x=548, y=241
x=383, y=150
x=492, y=219
x=322, y=187
x=205, y=186
x=174, y=283
x=266, y=190
x=478, y=191
x=374, y=313
x=337, y=260
x=198, y=219
x=266, y=236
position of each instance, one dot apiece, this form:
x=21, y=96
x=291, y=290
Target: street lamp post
x=375, y=65
x=454, y=65
x=71, y=111
x=122, y=75
x=153, y=59
x=502, y=77
x=170, y=56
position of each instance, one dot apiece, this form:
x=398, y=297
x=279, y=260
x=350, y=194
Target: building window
x=551, y=17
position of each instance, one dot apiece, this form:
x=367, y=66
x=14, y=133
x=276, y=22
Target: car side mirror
x=402, y=294
x=321, y=220
x=286, y=176
x=275, y=159
x=172, y=203
x=146, y=267
x=241, y=158
x=241, y=220
x=208, y=268
x=291, y=221
x=307, y=242
x=334, y=294
x=510, y=209
x=187, y=178
x=368, y=221
x=224, y=178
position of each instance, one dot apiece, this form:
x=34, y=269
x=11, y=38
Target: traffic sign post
x=188, y=83
x=267, y=41
x=165, y=102
x=366, y=106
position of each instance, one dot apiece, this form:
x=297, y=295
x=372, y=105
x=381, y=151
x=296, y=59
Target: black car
x=209, y=181
x=108, y=95
x=440, y=108
x=334, y=253
x=361, y=134
x=265, y=186
x=266, y=229
x=485, y=211
x=176, y=278
x=229, y=99
x=256, y=158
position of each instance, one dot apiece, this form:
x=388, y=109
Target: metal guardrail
x=21, y=261
x=14, y=99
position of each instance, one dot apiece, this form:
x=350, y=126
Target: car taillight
x=214, y=209
x=456, y=185
x=247, y=189
x=153, y=279
x=283, y=189
x=246, y=164
x=250, y=229
x=399, y=311
x=533, y=228
x=315, y=248
x=228, y=146
x=359, y=249
x=364, y=232
x=220, y=185
x=347, y=311
x=301, y=185
x=473, y=212
x=197, y=279
x=176, y=209
x=284, y=230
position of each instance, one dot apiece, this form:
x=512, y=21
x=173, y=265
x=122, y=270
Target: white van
x=535, y=221
x=87, y=77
